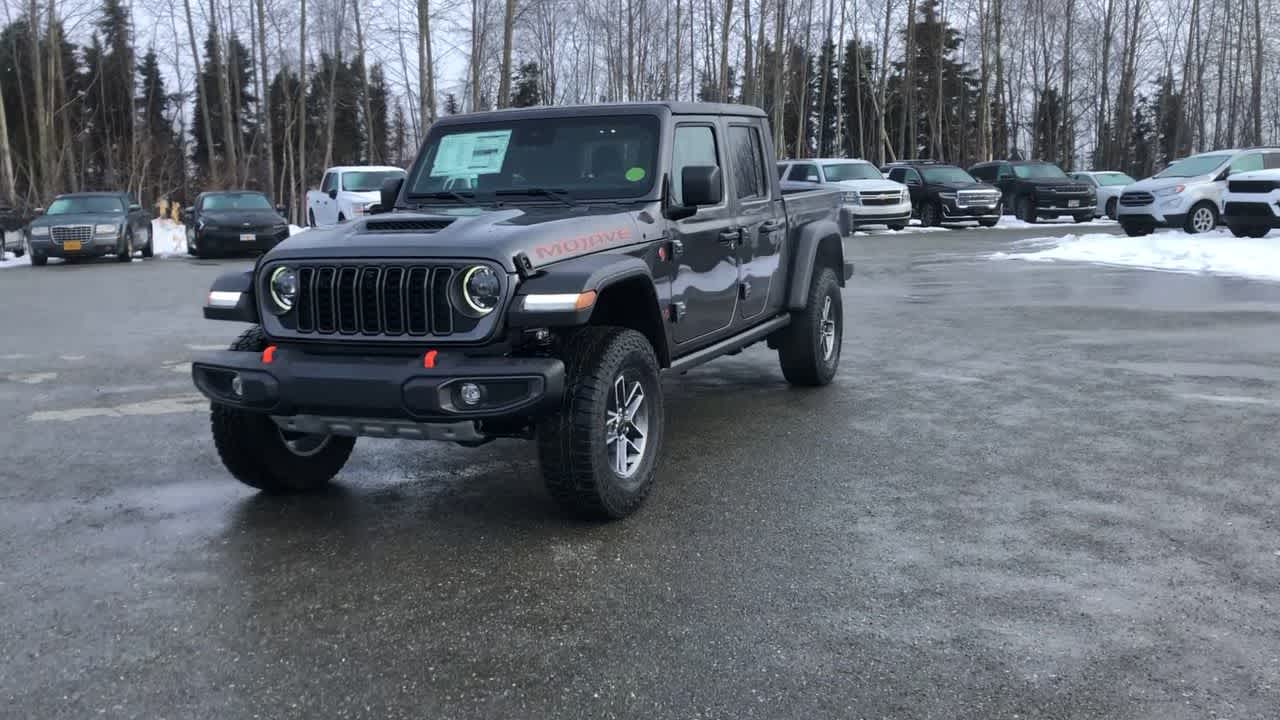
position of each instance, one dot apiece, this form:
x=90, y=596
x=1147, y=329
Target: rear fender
x=231, y=298
x=818, y=244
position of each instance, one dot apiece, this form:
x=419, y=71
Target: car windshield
x=837, y=172
x=236, y=201
x=86, y=204
x=368, y=180
x=575, y=157
x=1194, y=165
x=1038, y=171
x=1113, y=179
x=946, y=175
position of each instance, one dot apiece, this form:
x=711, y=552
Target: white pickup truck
x=347, y=192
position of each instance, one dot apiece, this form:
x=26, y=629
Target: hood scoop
x=406, y=226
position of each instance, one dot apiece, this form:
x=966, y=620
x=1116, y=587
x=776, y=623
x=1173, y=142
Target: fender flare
x=810, y=240
x=589, y=272
x=238, y=308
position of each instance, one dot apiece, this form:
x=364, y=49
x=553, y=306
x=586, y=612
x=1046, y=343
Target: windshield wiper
x=468, y=197
x=553, y=193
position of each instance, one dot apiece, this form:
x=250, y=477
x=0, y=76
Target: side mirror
x=37, y=212
x=333, y=194
x=281, y=209
x=390, y=191
x=702, y=185
x=134, y=207
x=1223, y=175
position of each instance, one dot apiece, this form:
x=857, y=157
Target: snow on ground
x=168, y=237
x=8, y=259
x=1013, y=223
x=1217, y=252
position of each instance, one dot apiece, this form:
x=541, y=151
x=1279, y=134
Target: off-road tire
x=1111, y=208
x=1189, y=225
x=1136, y=230
x=930, y=215
x=253, y=449
x=149, y=249
x=573, y=444
x=1025, y=211
x=800, y=344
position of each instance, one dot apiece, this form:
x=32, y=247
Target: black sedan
x=233, y=221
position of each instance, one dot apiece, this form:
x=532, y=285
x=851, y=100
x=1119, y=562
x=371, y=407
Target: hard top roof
x=631, y=108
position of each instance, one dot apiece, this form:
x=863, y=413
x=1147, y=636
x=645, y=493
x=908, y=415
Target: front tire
x=311, y=218
x=149, y=250
x=126, y=254
x=896, y=227
x=261, y=455
x=1111, y=208
x=1202, y=218
x=1136, y=230
x=1083, y=218
x=1250, y=231
x=930, y=215
x=599, y=453
x=988, y=223
x=809, y=348
x=1026, y=211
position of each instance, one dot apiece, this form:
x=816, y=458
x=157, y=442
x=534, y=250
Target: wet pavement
x=1035, y=490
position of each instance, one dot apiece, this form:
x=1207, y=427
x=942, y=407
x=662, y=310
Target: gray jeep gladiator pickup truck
x=530, y=277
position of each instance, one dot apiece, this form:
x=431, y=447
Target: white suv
x=1188, y=193
x=1251, y=205
x=869, y=199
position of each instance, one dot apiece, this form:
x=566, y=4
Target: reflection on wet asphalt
x=1036, y=490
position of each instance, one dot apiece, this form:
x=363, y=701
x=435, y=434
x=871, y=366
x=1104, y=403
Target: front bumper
x=1252, y=210
x=856, y=215
x=952, y=211
x=97, y=247
x=1054, y=207
x=1168, y=212
x=232, y=240
x=370, y=387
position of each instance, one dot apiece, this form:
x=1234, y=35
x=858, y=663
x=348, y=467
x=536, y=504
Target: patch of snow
x=1216, y=252
x=1013, y=223
x=8, y=259
x=168, y=237
x=294, y=229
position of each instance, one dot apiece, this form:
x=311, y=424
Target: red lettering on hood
x=582, y=243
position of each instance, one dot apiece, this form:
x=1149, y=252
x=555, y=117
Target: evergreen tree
x=239, y=63
x=162, y=166
x=528, y=86
x=378, y=131
x=1046, y=137
x=857, y=90
x=451, y=106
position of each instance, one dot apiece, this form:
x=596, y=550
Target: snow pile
x=168, y=237
x=8, y=259
x=1216, y=252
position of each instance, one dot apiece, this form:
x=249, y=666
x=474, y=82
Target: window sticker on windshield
x=477, y=153
x=635, y=174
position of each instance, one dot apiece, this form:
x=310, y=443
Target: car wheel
x=1136, y=230
x=341, y=218
x=191, y=242
x=809, y=348
x=311, y=218
x=1026, y=212
x=930, y=215
x=37, y=259
x=126, y=255
x=988, y=223
x=149, y=250
x=261, y=455
x=897, y=226
x=21, y=249
x=1111, y=208
x=1251, y=231
x=1083, y=218
x=1202, y=218
x=599, y=453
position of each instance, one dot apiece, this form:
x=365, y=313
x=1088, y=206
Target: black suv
x=945, y=194
x=592, y=248
x=1033, y=189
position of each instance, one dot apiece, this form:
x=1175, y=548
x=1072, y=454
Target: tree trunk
x=331, y=100
x=984, y=81
x=203, y=95
x=841, y=83
x=882, y=134
x=264, y=102
x=504, y=80
x=748, y=61
x=779, y=87
x=41, y=174
x=372, y=156
x=1233, y=103
x=675, y=91
x=722, y=86
x=426, y=70
x=826, y=72
x=229, y=129
x=802, y=125
x=939, y=149
x=301, y=119
x=1068, y=151
x=477, y=54
x=1193, y=33
x=8, y=190
x=908, y=144
x=1258, y=40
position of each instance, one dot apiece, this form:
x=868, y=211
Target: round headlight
x=284, y=288
x=481, y=290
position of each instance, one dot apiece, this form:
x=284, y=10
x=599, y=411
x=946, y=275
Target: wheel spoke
x=633, y=404
x=619, y=390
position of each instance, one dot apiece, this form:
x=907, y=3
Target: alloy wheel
x=626, y=425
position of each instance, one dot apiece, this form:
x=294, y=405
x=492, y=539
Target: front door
x=705, y=289
x=762, y=232
x=1005, y=180
x=915, y=188
x=327, y=212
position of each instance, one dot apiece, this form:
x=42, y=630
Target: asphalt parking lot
x=1035, y=490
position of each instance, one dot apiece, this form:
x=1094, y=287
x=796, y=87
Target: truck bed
x=809, y=205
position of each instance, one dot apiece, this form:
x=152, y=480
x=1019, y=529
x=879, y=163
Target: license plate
x=1073, y=203
x=70, y=244
x=247, y=237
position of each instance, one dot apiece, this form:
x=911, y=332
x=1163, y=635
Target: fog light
x=237, y=386
x=470, y=393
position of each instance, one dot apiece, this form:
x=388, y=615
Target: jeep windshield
x=545, y=158
x=1193, y=166
x=88, y=204
x=1039, y=171
x=945, y=175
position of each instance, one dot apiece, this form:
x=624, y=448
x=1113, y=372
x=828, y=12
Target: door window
x=693, y=146
x=982, y=173
x=782, y=170
x=748, y=163
x=1271, y=161
x=897, y=175
x=330, y=182
x=912, y=177
x=1005, y=172
x=1246, y=163
x=804, y=172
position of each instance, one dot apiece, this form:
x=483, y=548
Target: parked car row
x=1193, y=194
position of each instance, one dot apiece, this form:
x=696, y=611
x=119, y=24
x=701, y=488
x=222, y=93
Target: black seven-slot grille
x=381, y=300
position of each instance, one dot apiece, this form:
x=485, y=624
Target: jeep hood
x=546, y=234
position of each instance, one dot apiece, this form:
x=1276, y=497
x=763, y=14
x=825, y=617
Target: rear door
x=705, y=288
x=757, y=212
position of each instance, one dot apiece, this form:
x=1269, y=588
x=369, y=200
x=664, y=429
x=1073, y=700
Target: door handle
x=769, y=226
x=731, y=237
